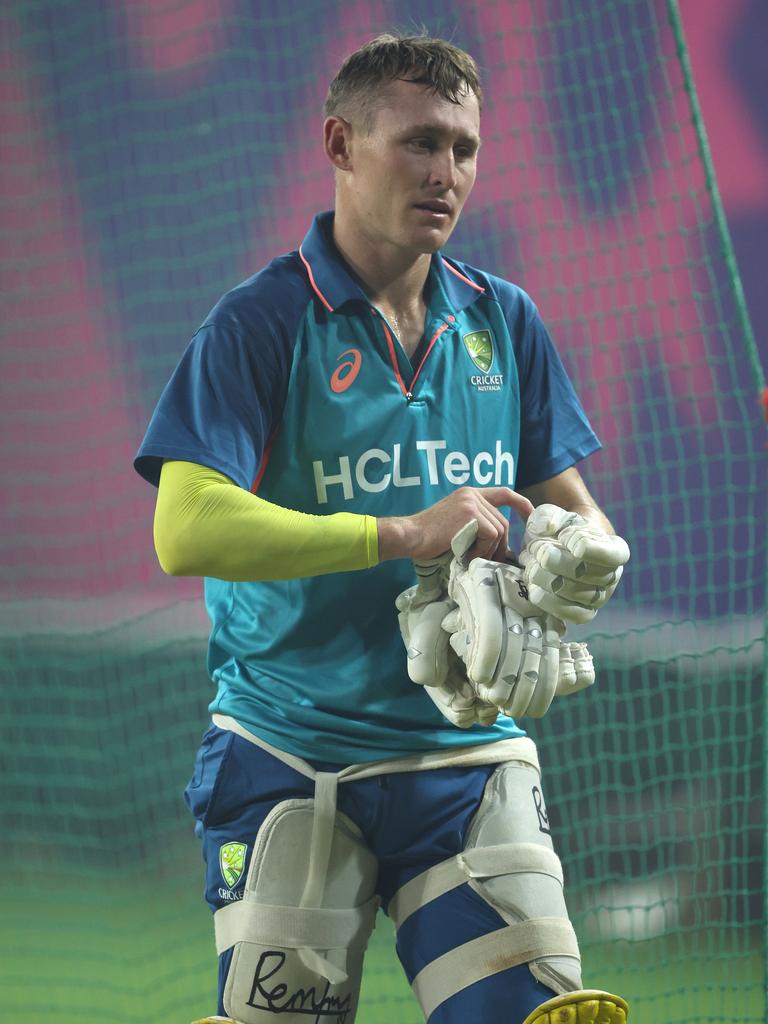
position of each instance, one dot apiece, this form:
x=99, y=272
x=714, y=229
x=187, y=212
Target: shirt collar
x=334, y=284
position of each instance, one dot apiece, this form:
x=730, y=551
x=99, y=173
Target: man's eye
x=423, y=143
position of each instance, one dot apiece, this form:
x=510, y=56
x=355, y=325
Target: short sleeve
x=555, y=432
x=222, y=401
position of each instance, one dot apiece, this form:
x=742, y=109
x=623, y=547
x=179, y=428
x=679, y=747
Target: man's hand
x=570, y=565
x=428, y=534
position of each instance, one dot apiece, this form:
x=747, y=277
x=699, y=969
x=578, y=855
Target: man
x=379, y=397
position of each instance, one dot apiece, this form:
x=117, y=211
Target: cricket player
x=337, y=454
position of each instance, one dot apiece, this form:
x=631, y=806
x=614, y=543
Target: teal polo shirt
x=296, y=387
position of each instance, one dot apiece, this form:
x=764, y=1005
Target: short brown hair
x=436, y=63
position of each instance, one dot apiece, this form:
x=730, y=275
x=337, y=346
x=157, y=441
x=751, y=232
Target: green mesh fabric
x=152, y=155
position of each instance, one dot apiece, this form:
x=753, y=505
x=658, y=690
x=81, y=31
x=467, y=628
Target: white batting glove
x=431, y=662
x=511, y=649
x=571, y=566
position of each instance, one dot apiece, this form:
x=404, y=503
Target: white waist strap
x=520, y=748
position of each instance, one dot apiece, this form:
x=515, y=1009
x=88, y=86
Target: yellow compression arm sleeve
x=205, y=525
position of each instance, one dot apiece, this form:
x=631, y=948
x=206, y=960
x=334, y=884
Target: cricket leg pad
x=528, y=893
x=509, y=862
x=299, y=934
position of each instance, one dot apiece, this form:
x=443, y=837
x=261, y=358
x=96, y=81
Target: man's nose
x=443, y=170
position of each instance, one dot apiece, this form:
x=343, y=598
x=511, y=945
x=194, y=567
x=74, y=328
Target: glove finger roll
x=521, y=672
x=567, y=590
x=558, y=560
x=566, y=610
x=584, y=665
x=595, y=546
x=457, y=701
x=566, y=674
x=514, y=642
x=548, y=673
x=576, y=671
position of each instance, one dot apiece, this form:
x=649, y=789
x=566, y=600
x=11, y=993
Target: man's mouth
x=434, y=206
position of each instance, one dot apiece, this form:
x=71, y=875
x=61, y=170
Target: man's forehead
x=414, y=106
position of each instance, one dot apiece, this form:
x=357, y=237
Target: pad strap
x=294, y=927
x=323, y=823
x=507, y=947
x=479, y=862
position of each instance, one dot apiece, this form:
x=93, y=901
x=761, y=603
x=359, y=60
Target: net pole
x=717, y=205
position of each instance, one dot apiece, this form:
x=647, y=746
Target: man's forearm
x=567, y=490
x=205, y=525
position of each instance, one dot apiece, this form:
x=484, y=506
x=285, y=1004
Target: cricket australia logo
x=479, y=346
x=232, y=862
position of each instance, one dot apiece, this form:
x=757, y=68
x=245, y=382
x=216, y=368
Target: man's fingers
x=493, y=526
x=429, y=533
x=505, y=497
x=492, y=533
x=499, y=554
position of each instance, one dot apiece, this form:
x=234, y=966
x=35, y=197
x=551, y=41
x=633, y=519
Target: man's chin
x=427, y=242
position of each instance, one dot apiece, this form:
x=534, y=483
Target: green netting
x=153, y=154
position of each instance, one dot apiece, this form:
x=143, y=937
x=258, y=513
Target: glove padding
x=431, y=661
x=570, y=566
x=577, y=670
x=510, y=649
x=502, y=633
x=457, y=701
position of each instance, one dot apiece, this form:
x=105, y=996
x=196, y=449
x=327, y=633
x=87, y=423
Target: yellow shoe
x=215, y=1020
x=588, y=1006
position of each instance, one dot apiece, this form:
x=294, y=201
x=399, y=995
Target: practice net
x=153, y=155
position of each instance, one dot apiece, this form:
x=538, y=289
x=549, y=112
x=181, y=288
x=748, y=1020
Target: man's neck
x=393, y=280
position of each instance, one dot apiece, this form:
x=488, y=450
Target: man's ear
x=337, y=138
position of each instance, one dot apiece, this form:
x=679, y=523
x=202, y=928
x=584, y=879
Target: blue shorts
x=411, y=821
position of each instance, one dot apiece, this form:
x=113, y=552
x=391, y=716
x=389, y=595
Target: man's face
x=413, y=171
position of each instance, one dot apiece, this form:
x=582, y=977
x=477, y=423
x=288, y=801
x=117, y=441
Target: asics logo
x=345, y=374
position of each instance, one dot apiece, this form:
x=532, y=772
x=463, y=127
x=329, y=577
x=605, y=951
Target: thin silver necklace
x=392, y=321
